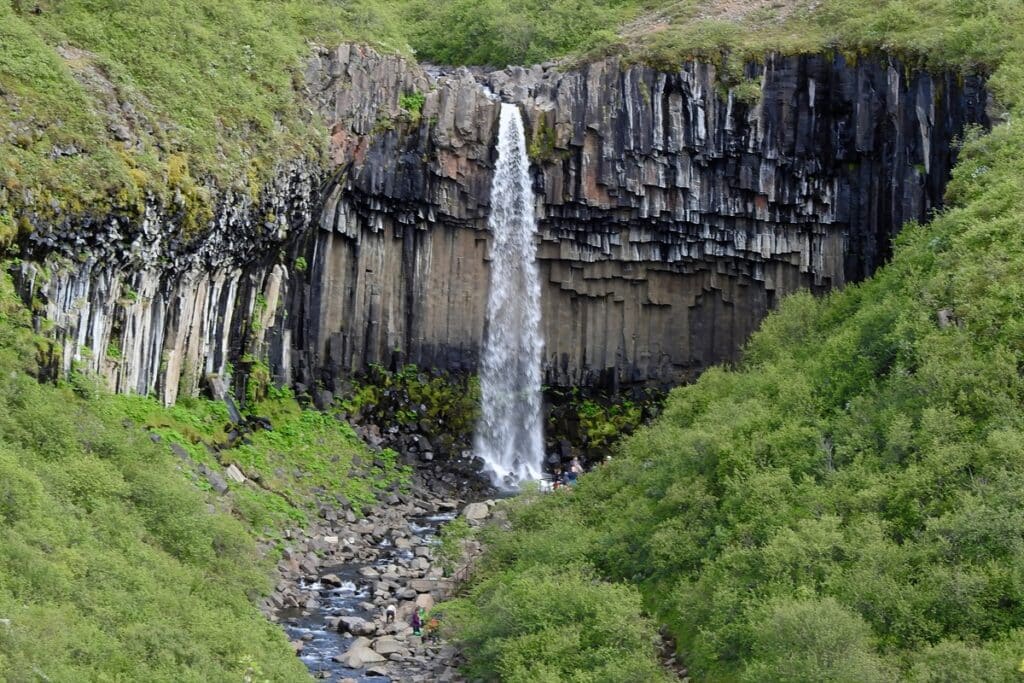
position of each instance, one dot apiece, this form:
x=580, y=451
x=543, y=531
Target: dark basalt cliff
x=673, y=216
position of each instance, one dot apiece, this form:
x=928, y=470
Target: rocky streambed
x=337, y=578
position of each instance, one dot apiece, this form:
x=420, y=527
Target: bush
x=804, y=641
x=548, y=624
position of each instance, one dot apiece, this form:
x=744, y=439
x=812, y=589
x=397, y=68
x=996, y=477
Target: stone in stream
x=331, y=580
x=357, y=626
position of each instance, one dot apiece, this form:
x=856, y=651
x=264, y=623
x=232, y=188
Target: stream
x=322, y=645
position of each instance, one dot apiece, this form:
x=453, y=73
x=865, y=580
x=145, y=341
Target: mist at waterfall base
x=509, y=436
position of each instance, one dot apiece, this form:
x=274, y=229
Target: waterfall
x=509, y=436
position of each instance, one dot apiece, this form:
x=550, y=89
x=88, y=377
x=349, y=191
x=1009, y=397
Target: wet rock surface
x=337, y=578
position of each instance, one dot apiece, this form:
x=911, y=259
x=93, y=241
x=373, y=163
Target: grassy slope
x=213, y=84
x=114, y=565
x=846, y=505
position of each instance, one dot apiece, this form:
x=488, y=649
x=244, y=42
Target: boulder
x=476, y=512
x=219, y=484
x=234, y=474
x=423, y=585
x=388, y=645
x=331, y=580
x=357, y=626
x=360, y=654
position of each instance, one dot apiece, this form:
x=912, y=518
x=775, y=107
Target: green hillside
x=117, y=561
x=844, y=506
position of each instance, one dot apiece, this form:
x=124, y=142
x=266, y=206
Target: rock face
x=672, y=214
x=131, y=301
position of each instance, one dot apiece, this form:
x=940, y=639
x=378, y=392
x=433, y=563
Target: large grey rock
x=388, y=645
x=476, y=512
x=425, y=601
x=215, y=479
x=357, y=626
x=360, y=654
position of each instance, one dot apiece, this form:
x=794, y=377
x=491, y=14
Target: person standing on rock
x=389, y=614
x=417, y=621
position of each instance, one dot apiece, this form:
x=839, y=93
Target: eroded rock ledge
x=673, y=217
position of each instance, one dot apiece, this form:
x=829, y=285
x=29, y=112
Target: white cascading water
x=509, y=436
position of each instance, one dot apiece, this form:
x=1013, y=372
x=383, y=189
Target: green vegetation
x=500, y=32
x=947, y=33
x=117, y=562
x=200, y=91
x=537, y=611
x=443, y=407
x=844, y=506
x=305, y=460
x=111, y=566
x=593, y=423
x=412, y=105
x=964, y=34
x=450, y=549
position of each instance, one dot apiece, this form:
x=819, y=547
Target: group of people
x=569, y=476
x=418, y=622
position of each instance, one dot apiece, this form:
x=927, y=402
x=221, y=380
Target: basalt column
x=674, y=214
